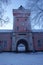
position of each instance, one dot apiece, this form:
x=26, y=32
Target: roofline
x=6, y=31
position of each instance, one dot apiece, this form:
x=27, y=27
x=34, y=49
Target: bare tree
x=2, y=11
x=36, y=7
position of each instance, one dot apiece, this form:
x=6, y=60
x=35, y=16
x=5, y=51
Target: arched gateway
x=22, y=45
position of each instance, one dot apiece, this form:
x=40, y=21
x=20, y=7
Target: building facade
x=21, y=33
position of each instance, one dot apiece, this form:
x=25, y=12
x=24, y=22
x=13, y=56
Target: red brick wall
x=21, y=24
x=38, y=40
x=5, y=38
x=21, y=20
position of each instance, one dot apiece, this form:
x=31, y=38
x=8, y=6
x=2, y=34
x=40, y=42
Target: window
x=22, y=34
x=39, y=43
x=33, y=37
x=0, y=45
x=17, y=19
x=25, y=19
x=17, y=27
x=5, y=43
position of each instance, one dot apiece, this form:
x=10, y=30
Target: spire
x=21, y=8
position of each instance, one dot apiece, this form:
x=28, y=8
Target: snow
x=21, y=58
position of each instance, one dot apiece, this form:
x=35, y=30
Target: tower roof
x=21, y=8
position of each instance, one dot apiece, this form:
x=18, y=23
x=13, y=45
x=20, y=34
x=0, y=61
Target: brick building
x=21, y=33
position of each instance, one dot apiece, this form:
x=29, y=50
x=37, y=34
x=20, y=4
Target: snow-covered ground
x=21, y=58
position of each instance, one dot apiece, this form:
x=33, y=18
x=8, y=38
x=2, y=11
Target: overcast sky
x=14, y=5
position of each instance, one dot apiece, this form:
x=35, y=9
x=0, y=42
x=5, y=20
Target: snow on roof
x=1, y=31
x=37, y=30
x=33, y=30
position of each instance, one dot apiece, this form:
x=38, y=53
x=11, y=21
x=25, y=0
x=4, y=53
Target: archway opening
x=22, y=46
